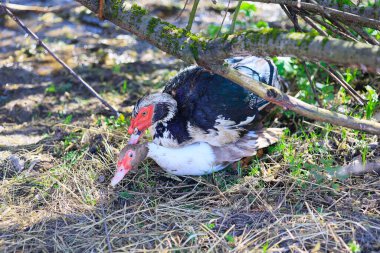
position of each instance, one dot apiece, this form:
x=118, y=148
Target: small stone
x=101, y=179
x=17, y=163
x=86, y=137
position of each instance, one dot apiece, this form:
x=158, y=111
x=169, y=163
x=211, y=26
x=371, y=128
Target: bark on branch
x=190, y=48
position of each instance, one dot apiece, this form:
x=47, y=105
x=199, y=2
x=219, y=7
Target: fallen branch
x=183, y=45
x=275, y=96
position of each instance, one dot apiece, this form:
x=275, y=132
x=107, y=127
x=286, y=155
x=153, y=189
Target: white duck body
x=201, y=158
x=196, y=159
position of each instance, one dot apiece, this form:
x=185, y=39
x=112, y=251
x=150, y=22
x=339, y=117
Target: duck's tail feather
x=248, y=144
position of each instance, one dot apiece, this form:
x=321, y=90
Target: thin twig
x=343, y=29
x=334, y=74
x=347, y=85
x=192, y=15
x=333, y=13
x=313, y=25
x=105, y=224
x=365, y=36
x=313, y=88
x=331, y=28
x=101, y=9
x=181, y=12
x=293, y=17
x=72, y=72
x=343, y=83
x=224, y=18
x=234, y=17
x=369, y=12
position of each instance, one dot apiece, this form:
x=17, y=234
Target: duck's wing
x=247, y=145
x=207, y=101
x=212, y=108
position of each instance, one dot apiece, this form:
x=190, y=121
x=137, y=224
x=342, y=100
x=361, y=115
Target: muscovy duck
x=195, y=159
x=198, y=106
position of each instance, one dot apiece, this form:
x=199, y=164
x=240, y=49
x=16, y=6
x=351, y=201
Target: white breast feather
x=193, y=160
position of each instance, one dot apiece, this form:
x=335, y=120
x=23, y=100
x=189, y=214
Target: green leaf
x=354, y=247
x=212, y=30
x=116, y=69
x=68, y=119
x=125, y=195
x=50, y=89
x=265, y=247
x=247, y=7
x=125, y=87
x=230, y=238
x=262, y=24
x=210, y=226
x=373, y=101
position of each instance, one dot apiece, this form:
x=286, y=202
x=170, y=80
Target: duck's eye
x=130, y=155
x=144, y=114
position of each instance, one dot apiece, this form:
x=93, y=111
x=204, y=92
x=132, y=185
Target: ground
x=58, y=148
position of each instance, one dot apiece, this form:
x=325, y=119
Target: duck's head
x=130, y=157
x=149, y=110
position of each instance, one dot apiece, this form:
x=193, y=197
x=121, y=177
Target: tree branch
x=368, y=12
x=210, y=55
x=367, y=17
x=268, y=42
x=277, y=97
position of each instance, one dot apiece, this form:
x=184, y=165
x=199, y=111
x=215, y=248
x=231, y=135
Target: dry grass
x=284, y=201
x=69, y=207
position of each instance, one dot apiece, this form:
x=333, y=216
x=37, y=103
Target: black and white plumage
x=198, y=106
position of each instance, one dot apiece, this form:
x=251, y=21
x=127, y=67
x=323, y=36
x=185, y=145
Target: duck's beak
x=119, y=175
x=135, y=136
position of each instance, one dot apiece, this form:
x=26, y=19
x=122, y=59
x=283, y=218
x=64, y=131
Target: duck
x=196, y=159
x=199, y=106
